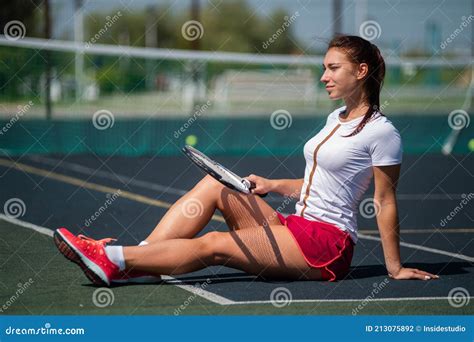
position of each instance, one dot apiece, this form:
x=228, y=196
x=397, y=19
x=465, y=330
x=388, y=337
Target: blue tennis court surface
x=65, y=191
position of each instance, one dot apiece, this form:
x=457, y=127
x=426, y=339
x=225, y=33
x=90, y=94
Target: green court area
x=50, y=285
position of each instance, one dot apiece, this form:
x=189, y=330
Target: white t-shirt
x=343, y=169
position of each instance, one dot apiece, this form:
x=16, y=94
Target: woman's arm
x=285, y=187
x=288, y=187
x=386, y=179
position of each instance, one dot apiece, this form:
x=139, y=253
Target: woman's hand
x=412, y=273
x=262, y=185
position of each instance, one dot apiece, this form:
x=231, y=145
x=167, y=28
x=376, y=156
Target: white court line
x=199, y=291
x=347, y=300
x=422, y=231
x=208, y=279
x=42, y=230
x=190, y=288
x=158, y=187
x=422, y=248
x=226, y=301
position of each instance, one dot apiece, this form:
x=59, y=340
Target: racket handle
x=253, y=186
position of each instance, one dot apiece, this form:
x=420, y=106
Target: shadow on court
x=69, y=191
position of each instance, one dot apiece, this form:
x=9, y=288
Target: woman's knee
x=216, y=246
x=209, y=184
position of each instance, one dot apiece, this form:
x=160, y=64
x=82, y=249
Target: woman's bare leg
x=191, y=213
x=263, y=251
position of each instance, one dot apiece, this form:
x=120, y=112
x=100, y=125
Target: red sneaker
x=89, y=254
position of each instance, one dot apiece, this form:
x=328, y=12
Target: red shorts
x=324, y=246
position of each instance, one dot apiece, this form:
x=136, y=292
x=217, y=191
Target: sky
x=404, y=24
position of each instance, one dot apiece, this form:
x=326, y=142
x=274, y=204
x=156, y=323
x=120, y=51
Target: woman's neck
x=355, y=108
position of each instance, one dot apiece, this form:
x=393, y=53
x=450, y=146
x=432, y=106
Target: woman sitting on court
x=357, y=143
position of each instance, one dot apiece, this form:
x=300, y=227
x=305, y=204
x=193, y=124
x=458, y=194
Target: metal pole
x=471, y=85
x=151, y=40
x=360, y=14
x=195, y=15
x=79, y=56
x=47, y=57
x=195, y=45
x=337, y=17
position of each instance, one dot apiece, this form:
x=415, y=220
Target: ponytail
x=360, y=51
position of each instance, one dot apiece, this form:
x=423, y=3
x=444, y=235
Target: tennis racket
x=219, y=172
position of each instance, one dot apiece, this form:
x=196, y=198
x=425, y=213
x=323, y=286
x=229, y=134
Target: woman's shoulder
x=380, y=125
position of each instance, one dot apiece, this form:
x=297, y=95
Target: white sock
x=143, y=243
x=115, y=254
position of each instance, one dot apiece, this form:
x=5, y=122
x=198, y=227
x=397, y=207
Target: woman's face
x=341, y=77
